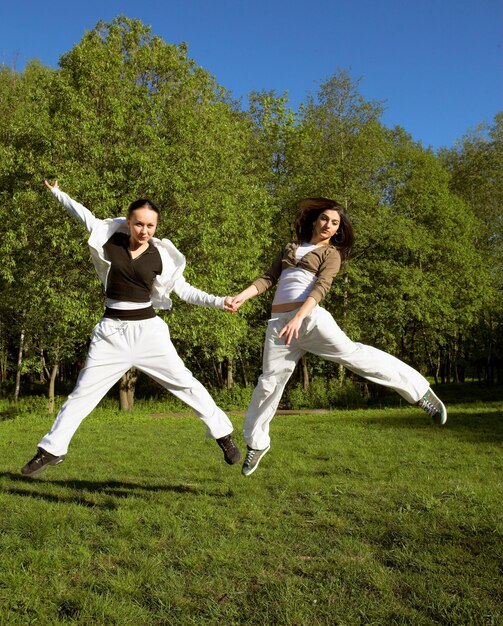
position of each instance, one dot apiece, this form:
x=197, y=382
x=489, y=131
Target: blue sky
x=436, y=64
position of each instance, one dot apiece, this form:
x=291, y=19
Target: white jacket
x=173, y=261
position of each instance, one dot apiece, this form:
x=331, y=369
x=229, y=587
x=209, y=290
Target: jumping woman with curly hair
x=304, y=272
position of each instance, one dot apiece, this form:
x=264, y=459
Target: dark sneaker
x=40, y=462
x=231, y=451
x=252, y=460
x=434, y=407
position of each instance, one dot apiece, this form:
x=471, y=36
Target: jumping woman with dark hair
x=304, y=272
x=138, y=272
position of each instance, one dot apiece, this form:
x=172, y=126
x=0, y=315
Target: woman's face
x=142, y=223
x=326, y=225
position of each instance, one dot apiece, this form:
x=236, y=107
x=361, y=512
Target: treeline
x=127, y=115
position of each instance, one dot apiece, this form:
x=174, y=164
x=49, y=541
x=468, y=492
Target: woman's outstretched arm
x=261, y=284
x=242, y=297
x=192, y=295
x=75, y=209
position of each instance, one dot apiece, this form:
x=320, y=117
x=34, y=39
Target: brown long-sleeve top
x=324, y=262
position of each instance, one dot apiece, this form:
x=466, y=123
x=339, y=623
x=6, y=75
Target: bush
x=323, y=394
x=25, y=406
x=235, y=399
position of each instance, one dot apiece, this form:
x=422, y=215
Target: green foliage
x=421, y=259
x=324, y=394
x=237, y=398
x=476, y=168
x=161, y=127
x=128, y=115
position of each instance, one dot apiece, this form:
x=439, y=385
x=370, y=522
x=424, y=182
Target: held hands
x=232, y=303
x=51, y=187
x=237, y=301
x=228, y=304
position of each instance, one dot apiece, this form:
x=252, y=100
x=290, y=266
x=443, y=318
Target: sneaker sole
x=247, y=472
x=441, y=419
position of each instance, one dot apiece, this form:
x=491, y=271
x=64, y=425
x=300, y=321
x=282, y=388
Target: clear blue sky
x=436, y=64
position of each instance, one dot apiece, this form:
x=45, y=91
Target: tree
x=129, y=116
x=428, y=259
x=476, y=167
x=415, y=261
x=39, y=287
x=336, y=150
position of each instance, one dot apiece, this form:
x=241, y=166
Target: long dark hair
x=139, y=204
x=309, y=211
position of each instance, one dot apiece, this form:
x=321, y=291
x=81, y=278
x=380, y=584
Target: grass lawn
x=354, y=517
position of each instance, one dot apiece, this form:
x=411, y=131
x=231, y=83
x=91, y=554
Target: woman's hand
x=51, y=187
x=291, y=330
x=237, y=301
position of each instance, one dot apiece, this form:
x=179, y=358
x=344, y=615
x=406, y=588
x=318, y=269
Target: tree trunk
x=3, y=355
x=218, y=374
x=43, y=368
x=345, y=300
x=433, y=367
x=243, y=371
x=52, y=384
x=127, y=385
x=345, y=310
x=19, y=365
x=3, y=363
x=305, y=374
x=441, y=366
x=230, y=380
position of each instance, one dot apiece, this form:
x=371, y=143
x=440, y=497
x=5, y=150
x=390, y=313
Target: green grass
x=353, y=517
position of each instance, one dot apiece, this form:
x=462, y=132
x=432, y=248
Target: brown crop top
x=324, y=262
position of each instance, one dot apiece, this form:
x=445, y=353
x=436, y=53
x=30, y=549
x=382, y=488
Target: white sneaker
x=434, y=407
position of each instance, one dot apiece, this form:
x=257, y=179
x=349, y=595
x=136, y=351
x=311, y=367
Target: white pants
x=116, y=346
x=319, y=334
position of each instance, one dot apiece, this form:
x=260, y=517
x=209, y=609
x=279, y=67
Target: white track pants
x=319, y=334
x=116, y=346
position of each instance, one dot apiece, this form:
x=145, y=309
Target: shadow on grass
x=84, y=492
x=468, y=425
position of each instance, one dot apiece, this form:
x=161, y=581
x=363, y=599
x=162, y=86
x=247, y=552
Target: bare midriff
x=288, y=306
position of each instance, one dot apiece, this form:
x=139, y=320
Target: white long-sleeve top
x=173, y=262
